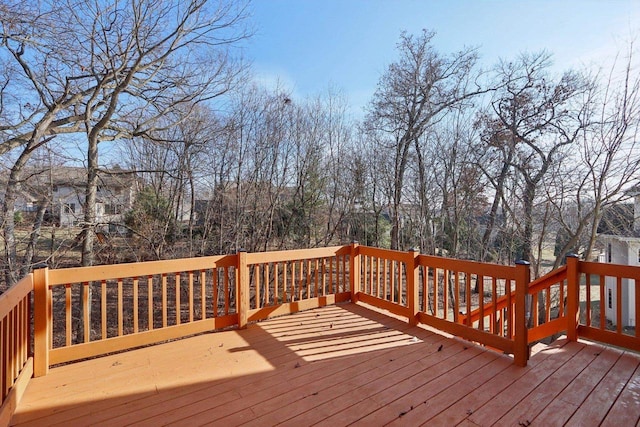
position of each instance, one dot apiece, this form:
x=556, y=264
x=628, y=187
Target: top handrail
x=543, y=282
x=498, y=271
x=296, y=254
x=143, y=269
x=15, y=294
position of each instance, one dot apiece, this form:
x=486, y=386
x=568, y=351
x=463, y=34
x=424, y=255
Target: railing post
x=573, y=305
x=354, y=267
x=521, y=341
x=42, y=322
x=242, y=292
x=412, y=285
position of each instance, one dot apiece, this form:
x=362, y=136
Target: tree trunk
x=33, y=239
x=8, y=213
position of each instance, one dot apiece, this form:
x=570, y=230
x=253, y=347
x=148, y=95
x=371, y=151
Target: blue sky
x=308, y=45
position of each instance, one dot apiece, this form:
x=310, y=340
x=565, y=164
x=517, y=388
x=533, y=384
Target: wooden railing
x=546, y=313
x=289, y=281
x=587, y=303
x=16, y=364
x=90, y=311
x=442, y=293
x=573, y=299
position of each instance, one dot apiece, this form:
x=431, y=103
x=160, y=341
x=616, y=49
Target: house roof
x=617, y=220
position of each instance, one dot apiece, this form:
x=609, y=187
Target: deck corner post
x=573, y=305
x=521, y=340
x=42, y=322
x=355, y=270
x=242, y=291
x=412, y=285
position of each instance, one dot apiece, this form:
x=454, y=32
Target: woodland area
x=495, y=164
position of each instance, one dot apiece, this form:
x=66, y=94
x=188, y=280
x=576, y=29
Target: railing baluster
x=343, y=287
x=178, y=287
x=309, y=279
x=267, y=284
x=547, y=312
x=216, y=284
x=376, y=273
x=368, y=278
x=561, y=312
x=4, y=349
x=226, y=291
x=480, y=279
x=494, y=305
x=256, y=281
x=588, y=300
x=164, y=300
x=120, y=314
x=445, y=293
x=637, y=308
x=276, y=280
x=86, y=312
x=12, y=350
x=534, y=309
x=300, y=282
x=393, y=281
x=436, y=297
x=509, y=314
x=317, y=277
x=67, y=306
x=135, y=305
x=285, y=287
x=150, y=303
x=103, y=309
x=331, y=275
x=619, y=305
x=6, y=358
x=203, y=294
x=425, y=289
x=602, y=303
x=467, y=291
x=190, y=296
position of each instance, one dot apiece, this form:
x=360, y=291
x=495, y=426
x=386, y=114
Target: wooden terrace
x=334, y=336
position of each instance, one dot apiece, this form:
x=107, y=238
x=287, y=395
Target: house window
x=638, y=255
x=609, y=257
x=112, y=209
x=609, y=299
x=70, y=208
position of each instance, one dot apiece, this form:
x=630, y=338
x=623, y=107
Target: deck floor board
x=338, y=365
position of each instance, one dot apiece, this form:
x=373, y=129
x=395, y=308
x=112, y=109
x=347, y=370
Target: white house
x=116, y=192
x=64, y=189
x=620, y=236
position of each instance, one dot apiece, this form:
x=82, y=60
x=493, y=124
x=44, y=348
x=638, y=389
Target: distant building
x=64, y=189
x=619, y=235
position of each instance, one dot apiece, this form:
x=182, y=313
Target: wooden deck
x=338, y=365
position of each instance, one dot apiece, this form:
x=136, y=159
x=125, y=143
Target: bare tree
x=536, y=119
x=412, y=94
x=607, y=164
